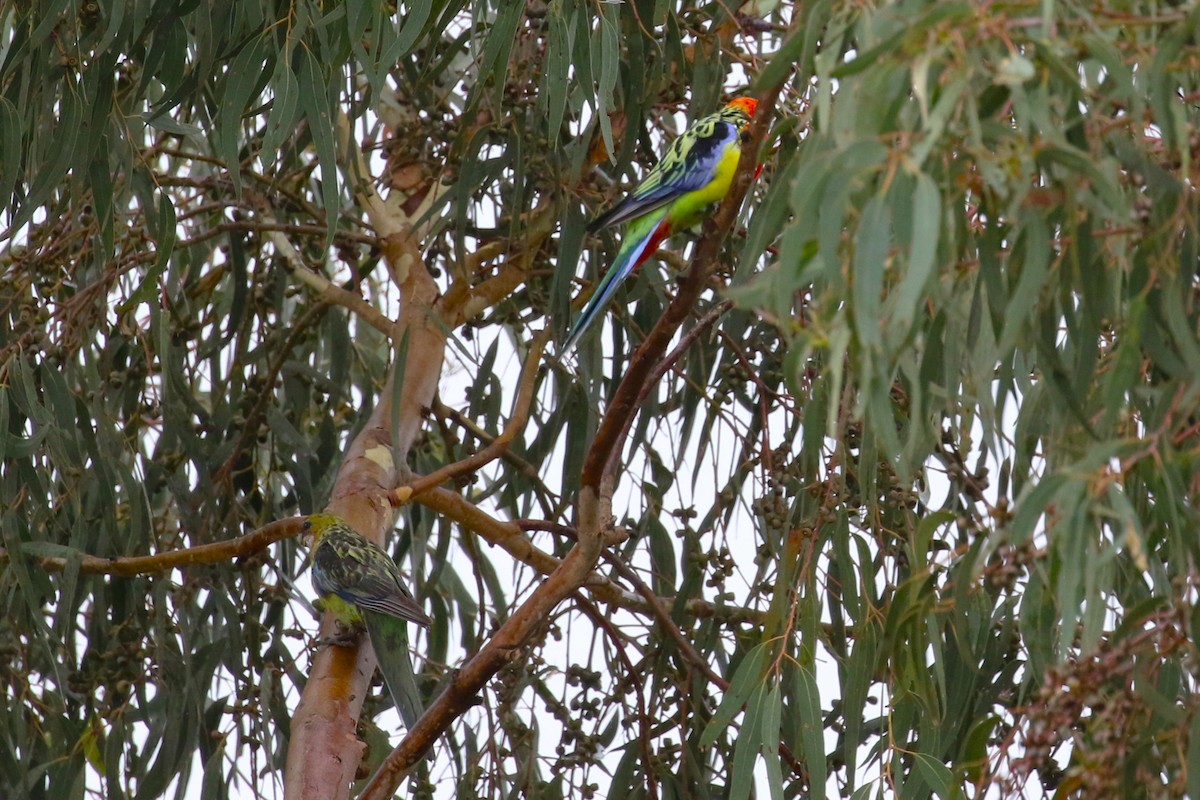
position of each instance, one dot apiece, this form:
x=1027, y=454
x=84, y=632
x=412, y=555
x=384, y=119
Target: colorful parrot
x=695, y=173
x=362, y=587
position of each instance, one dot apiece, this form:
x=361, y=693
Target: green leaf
x=812, y=733
x=927, y=211
x=316, y=101
x=1022, y=301
x=286, y=89
x=412, y=26
x=772, y=711
x=1193, y=757
x=857, y=675
x=749, y=676
x=749, y=744
x=937, y=775
x=870, y=254
x=558, y=65
x=797, y=50
x=213, y=784
x=10, y=150
x=50, y=550
x=241, y=87
x=59, y=156
x=1032, y=505
x=974, y=753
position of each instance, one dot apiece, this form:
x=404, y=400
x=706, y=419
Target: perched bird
x=695, y=173
x=363, y=587
x=352, y=574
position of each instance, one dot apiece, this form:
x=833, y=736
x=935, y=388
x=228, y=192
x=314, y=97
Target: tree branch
x=327, y=290
x=516, y=631
x=499, y=445
x=506, y=535
x=511, y=536
x=463, y=300
x=215, y=553
x=324, y=751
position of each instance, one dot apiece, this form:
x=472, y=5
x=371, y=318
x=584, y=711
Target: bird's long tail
x=641, y=241
x=389, y=637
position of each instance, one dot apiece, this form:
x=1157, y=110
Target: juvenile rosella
x=695, y=173
x=353, y=575
x=362, y=587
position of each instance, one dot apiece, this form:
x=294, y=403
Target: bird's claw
x=345, y=637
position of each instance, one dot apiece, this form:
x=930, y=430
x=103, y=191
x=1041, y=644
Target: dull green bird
x=362, y=587
x=353, y=574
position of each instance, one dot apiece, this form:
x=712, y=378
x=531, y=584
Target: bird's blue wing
x=689, y=164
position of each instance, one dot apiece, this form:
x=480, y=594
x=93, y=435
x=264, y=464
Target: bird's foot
x=345, y=637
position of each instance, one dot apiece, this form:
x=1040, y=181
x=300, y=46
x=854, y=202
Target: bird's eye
x=307, y=526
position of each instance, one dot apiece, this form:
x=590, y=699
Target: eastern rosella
x=695, y=173
x=361, y=586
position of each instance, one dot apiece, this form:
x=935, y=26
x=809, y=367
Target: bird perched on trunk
x=695, y=173
x=362, y=587
x=353, y=575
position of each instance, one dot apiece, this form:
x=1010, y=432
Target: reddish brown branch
x=494, y=531
x=215, y=553
x=516, y=632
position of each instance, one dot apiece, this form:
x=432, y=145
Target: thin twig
x=329, y=291
x=667, y=363
x=645, y=723
x=499, y=445
x=663, y=617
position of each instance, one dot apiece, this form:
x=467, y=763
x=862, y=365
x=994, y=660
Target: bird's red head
x=747, y=104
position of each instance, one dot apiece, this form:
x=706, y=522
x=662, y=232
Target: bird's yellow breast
x=691, y=207
x=346, y=613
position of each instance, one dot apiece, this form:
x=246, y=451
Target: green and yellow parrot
x=352, y=574
x=695, y=173
x=362, y=587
